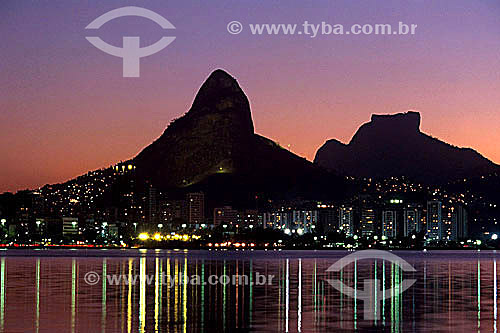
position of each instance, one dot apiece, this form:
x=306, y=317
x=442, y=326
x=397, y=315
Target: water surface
x=46, y=290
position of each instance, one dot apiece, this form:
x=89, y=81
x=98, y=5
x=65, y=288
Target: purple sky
x=66, y=109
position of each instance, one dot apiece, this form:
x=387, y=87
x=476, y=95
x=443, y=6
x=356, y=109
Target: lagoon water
x=47, y=291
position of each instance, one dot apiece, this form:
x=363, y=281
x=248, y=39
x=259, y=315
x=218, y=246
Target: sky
x=66, y=109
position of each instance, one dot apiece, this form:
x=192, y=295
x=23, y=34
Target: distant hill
x=393, y=145
x=213, y=148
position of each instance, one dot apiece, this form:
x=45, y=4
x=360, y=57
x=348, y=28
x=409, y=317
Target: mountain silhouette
x=213, y=148
x=393, y=145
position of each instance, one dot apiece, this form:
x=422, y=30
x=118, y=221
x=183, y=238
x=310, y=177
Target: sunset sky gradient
x=65, y=108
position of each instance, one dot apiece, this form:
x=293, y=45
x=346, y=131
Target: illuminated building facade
x=367, y=222
x=389, y=223
x=434, y=220
x=196, y=208
x=346, y=220
x=412, y=220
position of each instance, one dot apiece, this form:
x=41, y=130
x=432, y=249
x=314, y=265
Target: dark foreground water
x=47, y=291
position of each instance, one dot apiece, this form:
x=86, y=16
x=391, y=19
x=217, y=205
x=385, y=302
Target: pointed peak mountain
x=220, y=76
x=205, y=139
x=221, y=93
x=213, y=148
x=218, y=84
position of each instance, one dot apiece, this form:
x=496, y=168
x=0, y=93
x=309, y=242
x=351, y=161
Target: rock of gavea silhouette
x=393, y=145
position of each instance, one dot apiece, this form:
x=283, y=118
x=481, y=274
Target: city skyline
x=216, y=162
x=58, y=124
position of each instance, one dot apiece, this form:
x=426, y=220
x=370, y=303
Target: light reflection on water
x=45, y=291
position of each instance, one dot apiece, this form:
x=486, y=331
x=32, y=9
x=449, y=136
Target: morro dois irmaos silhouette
x=213, y=148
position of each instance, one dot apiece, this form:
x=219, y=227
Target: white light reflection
x=142, y=295
x=287, y=294
x=495, y=295
x=299, y=300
